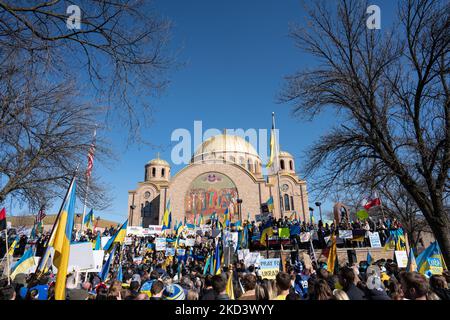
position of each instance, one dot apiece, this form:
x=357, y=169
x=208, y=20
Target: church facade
x=224, y=173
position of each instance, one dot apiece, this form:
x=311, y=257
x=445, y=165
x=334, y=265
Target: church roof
x=285, y=154
x=158, y=162
x=226, y=143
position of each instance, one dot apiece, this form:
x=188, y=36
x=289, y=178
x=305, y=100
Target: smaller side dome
x=285, y=154
x=158, y=162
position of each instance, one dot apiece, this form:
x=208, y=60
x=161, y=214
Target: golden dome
x=225, y=143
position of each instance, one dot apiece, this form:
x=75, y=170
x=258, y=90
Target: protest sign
x=154, y=229
x=362, y=214
x=374, y=238
x=128, y=241
x=170, y=252
x=81, y=257
x=243, y=253
x=305, y=236
x=135, y=231
x=252, y=258
x=269, y=268
x=402, y=258
x=137, y=260
x=181, y=252
x=284, y=233
x=345, y=234
x=160, y=244
x=190, y=242
x=182, y=242
x=435, y=265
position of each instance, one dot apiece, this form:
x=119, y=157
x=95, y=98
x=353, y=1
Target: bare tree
x=45, y=133
x=120, y=51
x=391, y=90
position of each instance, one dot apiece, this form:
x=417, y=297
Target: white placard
x=190, y=242
x=135, y=231
x=98, y=261
x=402, y=258
x=153, y=229
x=374, y=238
x=252, y=258
x=345, y=234
x=243, y=253
x=128, y=241
x=160, y=244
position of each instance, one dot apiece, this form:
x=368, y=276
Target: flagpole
x=7, y=255
x=276, y=161
x=88, y=182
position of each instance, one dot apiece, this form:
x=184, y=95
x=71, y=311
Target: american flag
x=90, y=158
x=41, y=215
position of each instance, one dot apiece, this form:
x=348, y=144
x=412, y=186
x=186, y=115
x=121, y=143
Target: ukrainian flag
x=431, y=261
x=270, y=204
x=217, y=260
x=201, y=222
x=272, y=146
x=390, y=243
x=118, y=237
x=89, y=219
x=25, y=263
x=13, y=246
x=98, y=242
x=267, y=230
x=120, y=274
x=167, y=219
x=62, y=239
x=332, y=261
x=229, y=288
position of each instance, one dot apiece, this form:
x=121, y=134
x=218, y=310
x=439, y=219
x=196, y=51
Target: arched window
x=242, y=161
x=153, y=172
x=232, y=159
x=163, y=172
x=292, y=203
x=291, y=165
x=249, y=165
x=282, y=164
x=287, y=206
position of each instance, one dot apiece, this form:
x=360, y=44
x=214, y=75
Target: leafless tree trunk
x=391, y=89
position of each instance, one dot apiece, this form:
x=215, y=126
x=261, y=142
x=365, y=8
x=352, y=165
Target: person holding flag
x=118, y=237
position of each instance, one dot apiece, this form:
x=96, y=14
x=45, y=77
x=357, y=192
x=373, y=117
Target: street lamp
x=318, y=204
x=311, y=214
x=239, y=202
x=132, y=207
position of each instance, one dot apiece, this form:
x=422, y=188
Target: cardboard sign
x=402, y=258
x=374, y=238
x=269, y=268
x=160, y=244
x=170, y=252
x=345, y=234
x=81, y=257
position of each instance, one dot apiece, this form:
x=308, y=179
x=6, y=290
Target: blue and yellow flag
x=201, y=221
x=98, y=242
x=89, y=219
x=120, y=274
x=103, y=275
x=206, y=269
x=25, y=263
x=272, y=146
x=13, y=245
x=390, y=243
x=118, y=237
x=217, y=260
x=270, y=204
x=62, y=239
x=229, y=287
x=167, y=219
x=431, y=261
x=267, y=230
x=369, y=258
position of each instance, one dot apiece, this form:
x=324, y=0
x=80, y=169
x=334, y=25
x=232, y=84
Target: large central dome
x=225, y=143
x=225, y=148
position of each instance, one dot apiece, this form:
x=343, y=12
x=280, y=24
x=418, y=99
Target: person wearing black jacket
x=439, y=285
x=348, y=280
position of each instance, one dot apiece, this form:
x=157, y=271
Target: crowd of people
x=139, y=272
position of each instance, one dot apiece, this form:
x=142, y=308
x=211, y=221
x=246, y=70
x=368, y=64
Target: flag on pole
x=270, y=204
x=41, y=215
x=118, y=237
x=431, y=261
x=105, y=269
x=167, y=219
x=374, y=201
x=332, y=256
x=91, y=158
x=412, y=265
x=62, y=239
x=120, y=274
x=89, y=219
x=13, y=245
x=272, y=146
x=267, y=230
x=98, y=242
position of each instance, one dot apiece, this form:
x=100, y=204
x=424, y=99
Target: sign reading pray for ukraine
x=374, y=238
x=269, y=268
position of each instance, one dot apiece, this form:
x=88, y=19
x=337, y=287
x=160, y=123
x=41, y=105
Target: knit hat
x=173, y=292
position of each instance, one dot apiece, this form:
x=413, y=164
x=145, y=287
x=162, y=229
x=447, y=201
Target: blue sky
x=235, y=55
